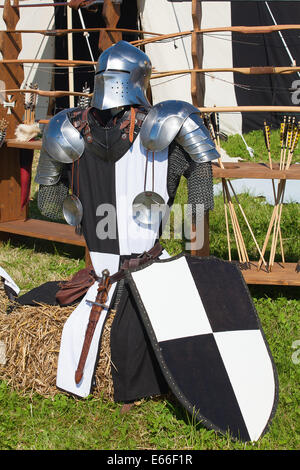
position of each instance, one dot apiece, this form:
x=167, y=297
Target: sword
x=97, y=307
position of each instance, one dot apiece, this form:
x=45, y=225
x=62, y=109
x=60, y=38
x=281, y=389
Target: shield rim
x=166, y=372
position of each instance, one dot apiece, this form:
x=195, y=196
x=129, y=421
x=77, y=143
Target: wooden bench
x=44, y=230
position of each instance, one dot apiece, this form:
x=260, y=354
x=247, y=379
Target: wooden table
x=282, y=274
x=32, y=145
x=255, y=170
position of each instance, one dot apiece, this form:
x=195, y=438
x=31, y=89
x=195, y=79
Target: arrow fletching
x=267, y=135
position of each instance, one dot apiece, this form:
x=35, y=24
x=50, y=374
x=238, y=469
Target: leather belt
x=132, y=263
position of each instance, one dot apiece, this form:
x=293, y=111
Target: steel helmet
x=122, y=77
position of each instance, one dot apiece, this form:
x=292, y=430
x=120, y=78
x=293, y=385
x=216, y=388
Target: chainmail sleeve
x=50, y=199
x=198, y=175
x=51, y=176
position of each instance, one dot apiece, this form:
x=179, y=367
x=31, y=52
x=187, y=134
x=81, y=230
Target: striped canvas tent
x=223, y=49
x=226, y=50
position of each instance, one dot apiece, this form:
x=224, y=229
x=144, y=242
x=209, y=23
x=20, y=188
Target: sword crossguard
x=98, y=303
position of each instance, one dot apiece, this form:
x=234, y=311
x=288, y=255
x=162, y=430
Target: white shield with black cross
x=209, y=342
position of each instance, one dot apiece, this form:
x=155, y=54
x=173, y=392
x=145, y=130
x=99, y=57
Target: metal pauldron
x=61, y=140
x=180, y=121
x=195, y=139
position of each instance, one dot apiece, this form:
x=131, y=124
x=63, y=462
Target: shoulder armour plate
x=61, y=140
x=163, y=122
x=195, y=139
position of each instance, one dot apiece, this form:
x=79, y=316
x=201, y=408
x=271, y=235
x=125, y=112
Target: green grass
x=235, y=147
x=64, y=423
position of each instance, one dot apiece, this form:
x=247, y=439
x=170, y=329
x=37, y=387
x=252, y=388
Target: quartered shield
x=209, y=342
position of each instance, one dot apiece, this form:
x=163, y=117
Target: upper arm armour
x=48, y=170
x=181, y=121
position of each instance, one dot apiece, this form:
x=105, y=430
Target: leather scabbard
x=97, y=308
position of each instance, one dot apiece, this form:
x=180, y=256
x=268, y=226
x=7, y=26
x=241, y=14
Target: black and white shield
x=209, y=342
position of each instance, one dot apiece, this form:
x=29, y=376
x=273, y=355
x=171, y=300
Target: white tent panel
x=161, y=16
x=217, y=47
x=176, y=54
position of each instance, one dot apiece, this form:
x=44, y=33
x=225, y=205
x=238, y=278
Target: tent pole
x=281, y=36
x=70, y=57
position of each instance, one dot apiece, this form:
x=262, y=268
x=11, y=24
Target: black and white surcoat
x=106, y=178
x=111, y=172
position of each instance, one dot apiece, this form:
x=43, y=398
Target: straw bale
x=31, y=337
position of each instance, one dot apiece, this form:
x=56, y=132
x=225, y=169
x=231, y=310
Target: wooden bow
x=62, y=32
x=156, y=74
x=237, y=29
x=58, y=62
x=243, y=70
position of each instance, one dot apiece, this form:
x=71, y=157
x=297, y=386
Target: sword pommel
x=105, y=274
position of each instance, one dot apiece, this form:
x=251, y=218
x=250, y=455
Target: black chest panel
x=110, y=139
